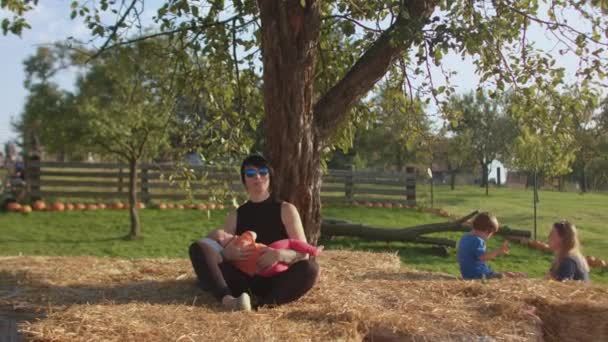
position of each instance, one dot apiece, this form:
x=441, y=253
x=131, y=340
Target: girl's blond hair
x=570, y=245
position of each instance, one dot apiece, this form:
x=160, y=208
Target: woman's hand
x=233, y=251
x=268, y=258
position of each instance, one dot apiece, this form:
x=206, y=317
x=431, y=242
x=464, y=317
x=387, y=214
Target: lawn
x=168, y=233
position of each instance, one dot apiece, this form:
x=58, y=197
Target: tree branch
x=106, y=47
x=331, y=108
x=115, y=28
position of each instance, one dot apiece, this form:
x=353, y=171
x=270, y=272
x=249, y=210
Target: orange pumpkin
x=13, y=206
x=39, y=205
x=141, y=205
x=219, y=207
x=387, y=205
x=69, y=206
x=162, y=206
x=92, y=206
x=179, y=206
x=26, y=209
x=170, y=205
x=211, y=206
x=201, y=206
x=80, y=206
x=58, y=206
x=101, y=205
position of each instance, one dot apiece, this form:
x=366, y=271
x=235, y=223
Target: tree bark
x=298, y=129
x=133, y=209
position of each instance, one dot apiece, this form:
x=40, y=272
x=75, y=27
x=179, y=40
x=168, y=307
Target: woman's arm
x=295, y=230
x=230, y=251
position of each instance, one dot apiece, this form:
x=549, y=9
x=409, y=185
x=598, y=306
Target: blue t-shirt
x=470, y=248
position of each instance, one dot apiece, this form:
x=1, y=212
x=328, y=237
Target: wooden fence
x=157, y=182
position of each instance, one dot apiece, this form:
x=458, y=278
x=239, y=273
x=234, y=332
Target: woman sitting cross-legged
x=272, y=220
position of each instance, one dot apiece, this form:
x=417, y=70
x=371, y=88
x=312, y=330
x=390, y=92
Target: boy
x=472, y=256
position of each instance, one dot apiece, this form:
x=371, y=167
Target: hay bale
x=359, y=296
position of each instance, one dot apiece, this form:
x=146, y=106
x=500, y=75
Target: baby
x=219, y=239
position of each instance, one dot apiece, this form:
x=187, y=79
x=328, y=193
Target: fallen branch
x=333, y=227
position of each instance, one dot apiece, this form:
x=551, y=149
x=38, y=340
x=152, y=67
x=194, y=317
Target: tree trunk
x=484, y=172
x=133, y=209
x=289, y=46
x=452, y=173
x=298, y=129
x=583, y=180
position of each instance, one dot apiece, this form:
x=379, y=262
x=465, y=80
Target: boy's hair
x=486, y=222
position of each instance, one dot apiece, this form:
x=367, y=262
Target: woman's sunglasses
x=250, y=173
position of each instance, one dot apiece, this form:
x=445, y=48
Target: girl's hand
x=268, y=258
x=233, y=252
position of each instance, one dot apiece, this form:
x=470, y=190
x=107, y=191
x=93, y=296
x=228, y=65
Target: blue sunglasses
x=250, y=173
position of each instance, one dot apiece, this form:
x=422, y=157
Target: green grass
x=168, y=233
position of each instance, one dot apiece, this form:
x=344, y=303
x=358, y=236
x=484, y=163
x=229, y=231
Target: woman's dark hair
x=258, y=161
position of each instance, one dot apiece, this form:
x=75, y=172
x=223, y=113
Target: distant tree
x=128, y=100
x=481, y=121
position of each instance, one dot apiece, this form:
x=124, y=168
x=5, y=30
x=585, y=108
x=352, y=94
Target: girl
x=569, y=263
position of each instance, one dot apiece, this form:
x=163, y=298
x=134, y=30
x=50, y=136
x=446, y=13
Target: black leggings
x=222, y=278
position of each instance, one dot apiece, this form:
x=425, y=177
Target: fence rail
x=51, y=180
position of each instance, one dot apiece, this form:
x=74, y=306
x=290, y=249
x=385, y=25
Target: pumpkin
x=377, y=205
x=101, y=205
x=179, y=206
x=26, y=209
x=39, y=205
x=369, y=204
x=201, y=206
x=91, y=206
x=219, y=207
x=13, y=206
x=80, y=206
x=69, y=206
x=162, y=206
x=211, y=206
x=170, y=205
x=58, y=206
x=387, y=205
x=141, y=205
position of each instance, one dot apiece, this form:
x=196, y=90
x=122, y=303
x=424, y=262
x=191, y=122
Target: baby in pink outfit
x=219, y=239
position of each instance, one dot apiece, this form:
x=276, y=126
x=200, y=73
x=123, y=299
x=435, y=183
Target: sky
x=50, y=22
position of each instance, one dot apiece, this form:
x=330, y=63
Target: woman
x=569, y=263
x=271, y=220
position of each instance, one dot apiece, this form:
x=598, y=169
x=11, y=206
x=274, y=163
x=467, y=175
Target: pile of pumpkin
x=40, y=205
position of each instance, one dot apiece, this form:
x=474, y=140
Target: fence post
x=410, y=185
x=349, y=190
x=120, y=180
x=145, y=195
x=32, y=177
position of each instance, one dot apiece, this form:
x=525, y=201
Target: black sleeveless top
x=263, y=218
